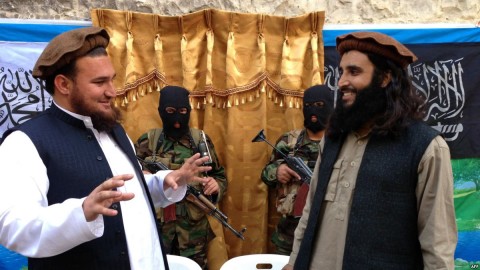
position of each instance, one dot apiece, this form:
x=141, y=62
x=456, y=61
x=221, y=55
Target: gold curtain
x=245, y=72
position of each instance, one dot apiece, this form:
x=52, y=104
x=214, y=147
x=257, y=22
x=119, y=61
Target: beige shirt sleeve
x=437, y=228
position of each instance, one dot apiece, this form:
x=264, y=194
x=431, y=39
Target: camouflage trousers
x=187, y=239
x=283, y=235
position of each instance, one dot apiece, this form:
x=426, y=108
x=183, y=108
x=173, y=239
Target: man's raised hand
x=98, y=202
x=190, y=171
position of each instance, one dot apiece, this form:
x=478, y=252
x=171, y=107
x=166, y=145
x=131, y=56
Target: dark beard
x=369, y=104
x=106, y=122
x=101, y=121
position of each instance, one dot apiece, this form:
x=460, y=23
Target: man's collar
x=87, y=120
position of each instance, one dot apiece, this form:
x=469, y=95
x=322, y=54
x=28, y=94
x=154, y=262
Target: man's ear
x=387, y=78
x=63, y=84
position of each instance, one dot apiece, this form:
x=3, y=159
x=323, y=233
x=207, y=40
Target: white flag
x=22, y=96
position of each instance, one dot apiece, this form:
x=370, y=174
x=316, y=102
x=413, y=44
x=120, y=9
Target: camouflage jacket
x=173, y=154
x=293, y=143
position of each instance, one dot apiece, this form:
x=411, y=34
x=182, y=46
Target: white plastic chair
x=256, y=261
x=182, y=263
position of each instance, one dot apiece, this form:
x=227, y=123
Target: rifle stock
x=197, y=198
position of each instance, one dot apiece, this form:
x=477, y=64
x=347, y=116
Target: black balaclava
x=314, y=94
x=175, y=97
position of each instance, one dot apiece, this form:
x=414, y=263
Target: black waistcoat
x=382, y=229
x=76, y=165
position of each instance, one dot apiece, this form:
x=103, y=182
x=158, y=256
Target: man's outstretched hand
x=102, y=197
x=190, y=171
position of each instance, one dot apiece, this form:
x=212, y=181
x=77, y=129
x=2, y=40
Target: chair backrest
x=182, y=263
x=256, y=261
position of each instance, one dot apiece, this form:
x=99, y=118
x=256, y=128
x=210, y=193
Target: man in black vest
x=382, y=192
x=72, y=193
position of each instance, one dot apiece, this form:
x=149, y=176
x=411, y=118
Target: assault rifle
x=294, y=163
x=195, y=196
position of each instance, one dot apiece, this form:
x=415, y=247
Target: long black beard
x=369, y=104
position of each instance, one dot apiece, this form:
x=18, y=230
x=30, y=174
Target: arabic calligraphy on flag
x=22, y=96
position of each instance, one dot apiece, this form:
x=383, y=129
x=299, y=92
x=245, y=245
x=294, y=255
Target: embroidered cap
x=378, y=43
x=68, y=46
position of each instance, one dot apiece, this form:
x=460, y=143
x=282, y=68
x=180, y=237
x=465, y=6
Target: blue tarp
x=35, y=30
x=422, y=35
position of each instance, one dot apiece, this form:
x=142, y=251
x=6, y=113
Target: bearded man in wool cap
x=291, y=190
x=184, y=226
x=381, y=195
x=83, y=202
